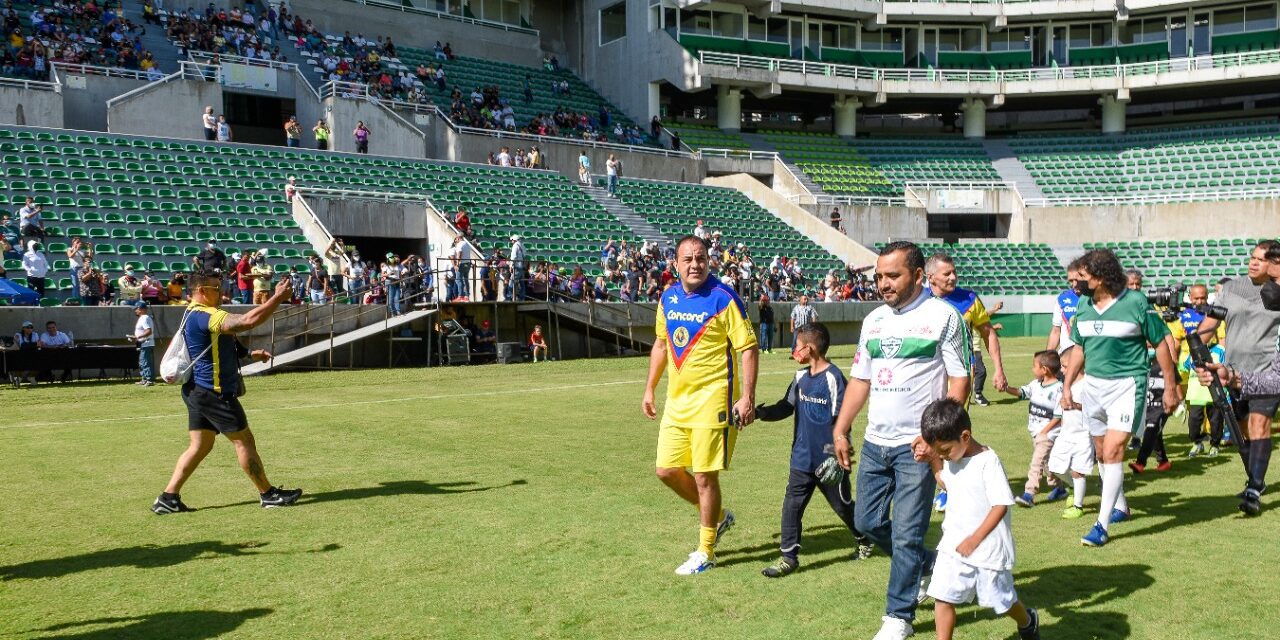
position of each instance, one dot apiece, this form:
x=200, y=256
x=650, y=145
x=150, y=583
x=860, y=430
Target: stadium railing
x=38, y=85
x=877, y=74
x=60, y=68
x=1216, y=195
x=748, y=154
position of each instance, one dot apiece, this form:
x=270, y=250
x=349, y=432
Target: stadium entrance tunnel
x=257, y=119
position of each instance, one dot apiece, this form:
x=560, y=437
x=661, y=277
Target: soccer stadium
x=509, y=319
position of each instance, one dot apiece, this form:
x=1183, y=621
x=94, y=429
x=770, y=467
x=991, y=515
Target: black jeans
x=979, y=373
x=1153, y=439
x=1196, y=415
x=800, y=486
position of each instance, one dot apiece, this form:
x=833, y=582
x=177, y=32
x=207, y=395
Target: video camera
x=1171, y=299
x=1200, y=356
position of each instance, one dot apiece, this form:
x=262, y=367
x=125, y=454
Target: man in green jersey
x=1113, y=325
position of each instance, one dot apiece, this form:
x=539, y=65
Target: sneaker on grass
x=725, y=525
x=1027, y=499
x=167, y=505
x=697, y=563
x=894, y=629
x=1096, y=537
x=782, y=567
x=1058, y=493
x=277, y=497
x=1072, y=513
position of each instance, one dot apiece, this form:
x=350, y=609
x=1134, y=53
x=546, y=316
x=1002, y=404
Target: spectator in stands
x=448, y=51
x=361, y=135
x=534, y=160
x=153, y=291
x=290, y=189
x=504, y=157
x=611, y=167
x=93, y=285
x=37, y=268
x=317, y=281
x=144, y=334
x=584, y=167
x=129, y=286
x=675, y=141
x=655, y=127
x=335, y=256
x=11, y=236
x=321, y=132
x=538, y=343
x=210, y=124
x=1133, y=280
x=30, y=224
x=78, y=253
x=177, y=288
x=600, y=292
x=439, y=51
x=211, y=258
x=297, y=284
x=244, y=277
x=700, y=231
x=836, y=220
x=519, y=269
x=261, y=274
x=486, y=339
x=224, y=129
x=293, y=132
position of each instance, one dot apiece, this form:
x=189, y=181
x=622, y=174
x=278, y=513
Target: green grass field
x=520, y=502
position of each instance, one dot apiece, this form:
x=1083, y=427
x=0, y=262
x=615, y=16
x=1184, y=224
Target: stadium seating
x=675, y=208
x=882, y=166
x=1167, y=262
x=1152, y=161
x=1003, y=268
x=701, y=136
x=153, y=201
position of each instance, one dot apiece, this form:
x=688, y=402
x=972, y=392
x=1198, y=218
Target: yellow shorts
x=703, y=450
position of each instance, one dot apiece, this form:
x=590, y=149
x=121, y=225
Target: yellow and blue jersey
x=974, y=313
x=218, y=369
x=705, y=331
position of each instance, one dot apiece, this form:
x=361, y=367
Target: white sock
x=1121, y=503
x=1112, y=485
x=1078, y=484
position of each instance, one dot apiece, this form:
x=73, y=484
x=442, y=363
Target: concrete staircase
x=1010, y=168
x=626, y=215
x=759, y=143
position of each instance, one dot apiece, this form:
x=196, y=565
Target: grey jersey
x=1251, y=329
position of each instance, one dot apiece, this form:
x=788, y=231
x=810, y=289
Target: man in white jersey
x=1112, y=328
x=912, y=351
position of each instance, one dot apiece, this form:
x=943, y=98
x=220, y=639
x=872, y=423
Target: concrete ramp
x=817, y=230
x=317, y=348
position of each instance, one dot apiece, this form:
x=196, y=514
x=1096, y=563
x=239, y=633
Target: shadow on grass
x=1174, y=511
x=171, y=625
x=818, y=540
x=1068, y=592
x=404, y=488
x=395, y=488
x=139, y=557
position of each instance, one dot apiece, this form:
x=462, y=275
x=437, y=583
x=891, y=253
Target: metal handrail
x=750, y=154
x=1156, y=198
x=347, y=300
x=30, y=84
x=94, y=70
x=879, y=74
x=449, y=16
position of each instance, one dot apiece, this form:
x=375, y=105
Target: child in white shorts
x=1073, y=452
x=975, y=556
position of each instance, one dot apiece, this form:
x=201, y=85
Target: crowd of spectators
x=75, y=32
x=229, y=31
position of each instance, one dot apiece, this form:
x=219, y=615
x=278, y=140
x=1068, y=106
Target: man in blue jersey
x=1067, y=303
x=212, y=393
x=943, y=279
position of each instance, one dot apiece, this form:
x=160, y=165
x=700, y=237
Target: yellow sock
x=707, y=540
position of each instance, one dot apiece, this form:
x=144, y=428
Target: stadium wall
x=167, y=109
x=390, y=135
x=31, y=107
x=868, y=225
x=85, y=97
x=624, y=69
x=1167, y=221
x=417, y=30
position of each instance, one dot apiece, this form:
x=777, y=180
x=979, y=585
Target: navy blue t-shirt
x=816, y=399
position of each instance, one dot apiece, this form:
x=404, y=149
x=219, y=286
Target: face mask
x=1271, y=296
x=1082, y=287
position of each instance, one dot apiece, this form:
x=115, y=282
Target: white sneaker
x=923, y=593
x=894, y=629
x=697, y=563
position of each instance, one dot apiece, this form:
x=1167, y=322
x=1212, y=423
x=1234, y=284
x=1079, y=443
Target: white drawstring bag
x=176, y=365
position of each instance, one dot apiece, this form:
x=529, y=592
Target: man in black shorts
x=1250, y=344
x=211, y=395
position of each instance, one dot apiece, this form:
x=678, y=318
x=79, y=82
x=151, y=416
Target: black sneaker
x=981, y=400
x=1032, y=630
x=1251, y=504
x=277, y=497
x=164, y=506
x=865, y=549
x=784, y=566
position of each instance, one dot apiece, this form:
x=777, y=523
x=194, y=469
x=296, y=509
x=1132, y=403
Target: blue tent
x=16, y=294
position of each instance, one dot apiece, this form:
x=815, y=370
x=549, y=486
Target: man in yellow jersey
x=702, y=333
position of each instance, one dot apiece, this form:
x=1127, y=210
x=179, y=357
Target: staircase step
x=624, y=214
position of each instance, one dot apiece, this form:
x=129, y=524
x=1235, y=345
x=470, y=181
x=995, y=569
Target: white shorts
x=1112, y=405
x=1073, y=450
x=955, y=582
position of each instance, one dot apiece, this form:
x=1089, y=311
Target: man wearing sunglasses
x=212, y=393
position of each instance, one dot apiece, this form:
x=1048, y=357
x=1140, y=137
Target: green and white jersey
x=907, y=356
x=1115, y=339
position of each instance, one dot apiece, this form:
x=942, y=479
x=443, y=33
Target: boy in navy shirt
x=814, y=399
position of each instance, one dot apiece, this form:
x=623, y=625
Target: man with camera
x=212, y=395
x=1252, y=326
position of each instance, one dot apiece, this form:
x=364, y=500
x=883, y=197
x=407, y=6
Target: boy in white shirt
x=1044, y=416
x=976, y=553
x=1073, y=451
